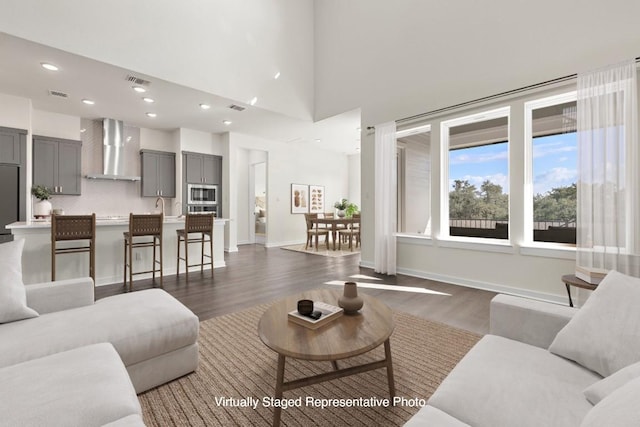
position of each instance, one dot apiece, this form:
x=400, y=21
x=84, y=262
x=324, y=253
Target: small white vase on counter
x=42, y=209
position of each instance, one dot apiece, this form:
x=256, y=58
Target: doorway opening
x=259, y=203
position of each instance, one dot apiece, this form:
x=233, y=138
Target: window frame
x=423, y=128
x=529, y=107
x=445, y=127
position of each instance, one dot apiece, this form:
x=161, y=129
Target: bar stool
x=71, y=228
x=196, y=223
x=148, y=225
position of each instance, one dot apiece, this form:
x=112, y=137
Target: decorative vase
x=350, y=301
x=341, y=213
x=42, y=209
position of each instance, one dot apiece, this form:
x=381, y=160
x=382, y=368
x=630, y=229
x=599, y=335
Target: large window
x=552, y=152
x=476, y=199
x=414, y=180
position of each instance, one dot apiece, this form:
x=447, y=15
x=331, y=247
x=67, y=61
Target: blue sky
x=554, y=163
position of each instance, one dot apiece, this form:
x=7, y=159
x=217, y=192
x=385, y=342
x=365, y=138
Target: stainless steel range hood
x=113, y=152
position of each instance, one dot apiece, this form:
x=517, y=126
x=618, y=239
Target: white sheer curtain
x=608, y=233
x=385, y=199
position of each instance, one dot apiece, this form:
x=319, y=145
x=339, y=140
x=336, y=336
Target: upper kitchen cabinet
x=158, y=173
x=203, y=168
x=11, y=141
x=57, y=164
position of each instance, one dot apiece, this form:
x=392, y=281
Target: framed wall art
x=316, y=198
x=299, y=198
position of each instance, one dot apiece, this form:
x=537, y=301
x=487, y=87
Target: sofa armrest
x=60, y=295
x=528, y=321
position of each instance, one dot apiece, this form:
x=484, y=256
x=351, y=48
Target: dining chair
x=351, y=232
x=314, y=230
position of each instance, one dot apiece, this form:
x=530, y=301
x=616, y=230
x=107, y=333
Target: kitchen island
x=36, y=257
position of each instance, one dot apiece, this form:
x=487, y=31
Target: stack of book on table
x=328, y=313
x=590, y=274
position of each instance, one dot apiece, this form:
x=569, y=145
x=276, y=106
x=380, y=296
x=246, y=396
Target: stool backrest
x=198, y=223
x=145, y=225
x=73, y=227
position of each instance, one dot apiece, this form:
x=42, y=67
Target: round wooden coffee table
x=344, y=337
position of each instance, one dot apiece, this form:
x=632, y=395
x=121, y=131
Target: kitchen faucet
x=160, y=199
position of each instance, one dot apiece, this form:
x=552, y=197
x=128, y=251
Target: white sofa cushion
x=430, y=416
x=502, y=382
x=598, y=391
x=88, y=386
x=13, y=297
x=619, y=409
x=140, y=325
x=604, y=335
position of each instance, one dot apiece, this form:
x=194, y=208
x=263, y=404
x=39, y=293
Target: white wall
x=286, y=164
x=229, y=48
x=55, y=125
x=354, y=179
x=15, y=112
x=201, y=142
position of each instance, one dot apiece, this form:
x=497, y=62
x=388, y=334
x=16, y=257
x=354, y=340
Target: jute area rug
x=234, y=363
x=323, y=250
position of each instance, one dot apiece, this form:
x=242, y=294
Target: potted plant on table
x=42, y=209
x=351, y=209
x=341, y=206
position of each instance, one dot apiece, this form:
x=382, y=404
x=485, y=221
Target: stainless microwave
x=202, y=194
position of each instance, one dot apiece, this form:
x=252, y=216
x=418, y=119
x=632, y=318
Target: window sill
x=414, y=239
x=477, y=244
x=549, y=250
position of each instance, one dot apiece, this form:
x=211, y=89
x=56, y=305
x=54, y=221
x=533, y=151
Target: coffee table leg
x=277, y=411
x=387, y=355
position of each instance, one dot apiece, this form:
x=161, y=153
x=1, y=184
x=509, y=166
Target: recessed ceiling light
x=129, y=139
x=205, y=106
x=83, y=130
x=88, y=101
x=149, y=100
x=227, y=122
x=49, y=67
x=253, y=100
x=277, y=76
x=139, y=89
x=318, y=140
x=151, y=114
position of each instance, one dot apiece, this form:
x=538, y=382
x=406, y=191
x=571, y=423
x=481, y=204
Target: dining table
x=334, y=225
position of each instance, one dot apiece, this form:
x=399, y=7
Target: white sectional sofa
x=82, y=363
x=549, y=365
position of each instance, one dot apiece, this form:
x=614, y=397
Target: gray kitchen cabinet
x=11, y=142
x=203, y=168
x=57, y=164
x=158, y=173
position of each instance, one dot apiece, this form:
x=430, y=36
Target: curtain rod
x=488, y=98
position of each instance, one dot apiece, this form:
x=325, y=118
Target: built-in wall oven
x=203, y=209
x=202, y=198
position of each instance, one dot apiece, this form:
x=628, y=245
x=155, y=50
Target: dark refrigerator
x=9, y=199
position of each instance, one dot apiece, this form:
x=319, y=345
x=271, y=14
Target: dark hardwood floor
x=257, y=275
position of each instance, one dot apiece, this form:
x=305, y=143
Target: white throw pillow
x=604, y=335
x=598, y=391
x=619, y=409
x=13, y=297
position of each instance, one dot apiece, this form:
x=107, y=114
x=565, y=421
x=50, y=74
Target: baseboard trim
x=492, y=287
x=475, y=284
x=280, y=244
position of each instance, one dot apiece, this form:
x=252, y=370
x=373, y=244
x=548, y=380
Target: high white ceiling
x=176, y=106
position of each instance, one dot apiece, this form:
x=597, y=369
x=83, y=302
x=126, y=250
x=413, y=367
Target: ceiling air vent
x=236, y=107
x=58, y=93
x=137, y=80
